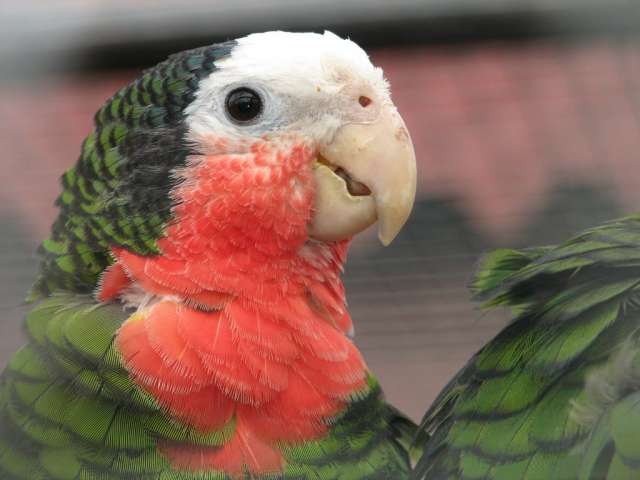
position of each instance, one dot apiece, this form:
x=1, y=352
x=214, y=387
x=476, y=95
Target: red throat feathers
x=247, y=322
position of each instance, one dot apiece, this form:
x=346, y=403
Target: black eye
x=243, y=105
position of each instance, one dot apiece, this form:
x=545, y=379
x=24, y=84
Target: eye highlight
x=243, y=105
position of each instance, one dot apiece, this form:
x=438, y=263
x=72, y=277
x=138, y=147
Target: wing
x=68, y=410
x=555, y=395
x=370, y=442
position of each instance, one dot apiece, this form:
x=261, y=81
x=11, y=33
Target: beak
x=367, y=172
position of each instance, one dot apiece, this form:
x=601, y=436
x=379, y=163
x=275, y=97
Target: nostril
x=364, y=101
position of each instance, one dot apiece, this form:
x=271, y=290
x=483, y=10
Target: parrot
x=556, y=394
x=188, y=319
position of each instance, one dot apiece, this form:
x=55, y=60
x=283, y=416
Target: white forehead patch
x=300, y=75
x=314, y=57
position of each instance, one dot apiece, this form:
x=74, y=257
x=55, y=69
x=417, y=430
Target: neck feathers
x=248, y=334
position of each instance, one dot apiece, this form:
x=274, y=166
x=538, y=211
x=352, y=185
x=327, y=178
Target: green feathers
x=514, y=411
x=118, y=193
x=69, y=411
x=66, y=396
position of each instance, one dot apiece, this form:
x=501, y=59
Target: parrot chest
x=267, y=375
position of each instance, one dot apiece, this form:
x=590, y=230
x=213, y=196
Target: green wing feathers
x=70, y=411
x=540, y=400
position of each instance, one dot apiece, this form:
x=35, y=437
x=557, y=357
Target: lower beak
x=377, y=155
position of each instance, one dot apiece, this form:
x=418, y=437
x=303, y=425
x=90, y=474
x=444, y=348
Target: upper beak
x=379, y=155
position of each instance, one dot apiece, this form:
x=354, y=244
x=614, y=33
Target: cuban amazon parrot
x=556, y=394
x=189, y=318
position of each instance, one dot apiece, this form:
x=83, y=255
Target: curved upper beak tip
x=395, y=194
x=379, y=155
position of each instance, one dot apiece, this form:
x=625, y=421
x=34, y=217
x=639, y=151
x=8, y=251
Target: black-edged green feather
x=556, y=394
x=68, y=411
x=118, y=193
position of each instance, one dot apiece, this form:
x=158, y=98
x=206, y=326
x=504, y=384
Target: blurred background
x=525, y=115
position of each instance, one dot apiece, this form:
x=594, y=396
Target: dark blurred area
x=525, y=117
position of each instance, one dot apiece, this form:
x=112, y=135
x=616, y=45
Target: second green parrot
x=556, y=394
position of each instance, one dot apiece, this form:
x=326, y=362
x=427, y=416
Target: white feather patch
x=310, y=84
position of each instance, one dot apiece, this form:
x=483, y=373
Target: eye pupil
x=243, y=105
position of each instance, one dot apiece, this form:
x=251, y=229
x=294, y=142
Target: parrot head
x=255, y=147
x=303, y=136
